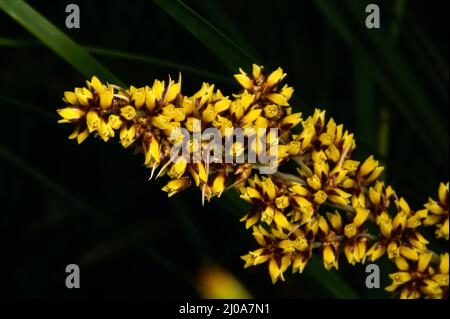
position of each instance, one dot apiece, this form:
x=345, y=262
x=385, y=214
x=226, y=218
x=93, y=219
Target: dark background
x=92, y=205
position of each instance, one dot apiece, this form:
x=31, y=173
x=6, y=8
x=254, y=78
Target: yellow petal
x=70, y=113
x=275, y=77
x=244, y=80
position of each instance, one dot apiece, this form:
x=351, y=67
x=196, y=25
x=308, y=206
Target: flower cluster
x=329, y=202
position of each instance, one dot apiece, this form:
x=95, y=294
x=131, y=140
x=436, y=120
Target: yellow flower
x=128, y=112
x=127, y=135
x=106, y=98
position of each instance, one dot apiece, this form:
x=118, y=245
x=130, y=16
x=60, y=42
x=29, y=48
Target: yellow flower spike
x=128, y=112
x=244, y=80
x=291, y=121
x=275, y=77
x=70, y=114
x=127, y=135
x=327, y=175
x=176, y=186
x=97, y=85
x=70, y=98
x=92, y=121
x=106, y=98
x=115, y=122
